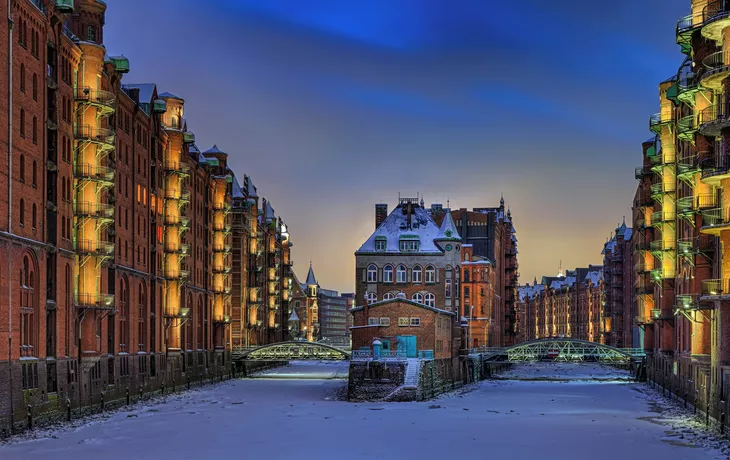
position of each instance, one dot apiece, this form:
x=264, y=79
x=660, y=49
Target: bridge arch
x=569, y=349
x=294, y=350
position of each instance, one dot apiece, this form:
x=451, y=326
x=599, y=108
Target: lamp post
x=468, y=332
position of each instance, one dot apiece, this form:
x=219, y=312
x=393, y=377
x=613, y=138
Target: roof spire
x=311, y=280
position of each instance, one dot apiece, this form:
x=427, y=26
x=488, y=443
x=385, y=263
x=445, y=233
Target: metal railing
x=94, y=301
x=176, y=167
x=93, y=172
x=98, y=248
x=715, y=217
x=89, y=209
x=92, y=134
x=97, y=97
x=715, y=287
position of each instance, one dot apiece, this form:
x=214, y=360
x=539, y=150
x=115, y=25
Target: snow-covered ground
x=285, y=419
x=558, y=371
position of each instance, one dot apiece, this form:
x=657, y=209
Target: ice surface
x=287, y=419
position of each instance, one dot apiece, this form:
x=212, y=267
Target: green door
x=407, y=346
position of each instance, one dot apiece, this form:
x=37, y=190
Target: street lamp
x=468, y=332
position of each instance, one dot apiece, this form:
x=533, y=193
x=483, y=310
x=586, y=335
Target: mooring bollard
x=30, y=417
x=68, y=410
x=188, y=382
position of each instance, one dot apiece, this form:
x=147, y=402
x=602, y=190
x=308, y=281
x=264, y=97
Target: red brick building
x=403, y=325
x=478, y=280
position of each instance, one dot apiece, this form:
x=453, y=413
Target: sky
x=332, y=106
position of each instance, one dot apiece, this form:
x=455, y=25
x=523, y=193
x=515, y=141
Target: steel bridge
x=284, y=351
x=563, y=350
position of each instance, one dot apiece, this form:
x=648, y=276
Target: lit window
x=388, y=274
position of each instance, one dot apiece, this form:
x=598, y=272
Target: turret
x=88, y=21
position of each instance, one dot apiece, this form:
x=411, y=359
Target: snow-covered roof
x=594, y=276
x=568, y=281
x=293, y=316
x=411, y=302
x=214, y=150
x=250, y=188
x=395, y=227
x=269, y=214
x=237, y=192
x=146, y=91
x=167, y=95
x=448, y=231
x=528, y=291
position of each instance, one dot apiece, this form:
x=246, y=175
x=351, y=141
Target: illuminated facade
x=617, y=322
x=129, y=258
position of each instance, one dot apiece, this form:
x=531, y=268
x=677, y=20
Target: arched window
x=388, y=274
x=35, y=130
x=22, y=168
x=28, y=306
x=372, y=274
x=388, y=296
x=466, y=275
x=124, y=316
x=417, y=274
x=430, y=274
x=35, y=172
x=141, y=317
x=91, y=34
x=371, y=297
x=63, y=228
x=70, y=328
x=22, y=78
x=22, y=212
x=22, y=122
x=33, y=217
x=35, y=86
x=400, y=273
x=417, y=297
x=430, y=300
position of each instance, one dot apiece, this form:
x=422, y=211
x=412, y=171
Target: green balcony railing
x=159, y=106
x=94, y=301
x=93, y=210
x=715, y=287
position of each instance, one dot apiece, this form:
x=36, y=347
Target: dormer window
x=409, y=243
x=380, y=244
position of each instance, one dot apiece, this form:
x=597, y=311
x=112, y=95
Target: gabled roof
x=310, y=276
x=236, y=191
x=293, y=316
x=395, y=227
x=214, y=150
x=170, y=96
x=146, y=91
x=404, y=300
x=250, y=188
x=448, y=231
x=269, y=213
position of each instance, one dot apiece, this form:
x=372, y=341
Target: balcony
x=177, y=195
x=176, y=275
x=222, y=227
x=101, y=174
x=221, y=248
x=177, y=221
x=661, y=217
x=641, y=172
x=65, y=6
x=688, y=166
x=686, y=127
x=87, y=209
x=661, y=188
x=177, y=248
x=642, y=267
x=715, y=168
x=121, y=64
x=715, y=19
x=715, y=289
x=94, y=248
x=643, y=320
x=221, y=270
x=716, y=71
x=94, y=301
x=656, y=122
x=713, y=119
x=714, y=221
x=658, y=274
x=176, y=167
x=687, y=87
x=104, y=101
x=221, y=206
x=188, y=137
x=106, y=138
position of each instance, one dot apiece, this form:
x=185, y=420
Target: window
x=385, y=321
x=388, y=274
x=430, y=300
x=466, y=275
x=22, y=168
x=380, y=244
x=373, y=321
x=22, y=123
x=22, y=78
x=35, y=87
x=123, y=316
x=35, y=130
x=35, y=172
x=28, y=306
x=448, y=288
x=388, y=296
x=33, y=217
x=416, y=321
x=409, y=245
x=401, y=274
x=417, y=274
x=466, y=292
x=417, y=297
x=430, y=274
x=372, y=274
x=22, y=212
x=91, y=33
x=371, y=297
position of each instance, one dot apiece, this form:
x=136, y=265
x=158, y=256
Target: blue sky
x=332, y=106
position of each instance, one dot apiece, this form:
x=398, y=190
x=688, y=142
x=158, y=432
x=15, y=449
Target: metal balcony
x=121, y=64
x=687, y=167
x=177, y=195
x=102, y=174
x=687, y=87
x=222, y=248
x=177, y=248
x=656, y=122
x=177, y=221
x=103, y=137
x=176, y=275
x=159, y=106
x=715, y=19
x=662, y=188
x=94, y=301
x=104, y=101
x=715, y=168
x=176, y=167
x=65, y=6
x=661, y=217
x=641, y=172
x=714, y=221
x=713, y=119
x=716, y=70
x=686, y=127
x=86, y=209
x=715, y=289
x=94, y=248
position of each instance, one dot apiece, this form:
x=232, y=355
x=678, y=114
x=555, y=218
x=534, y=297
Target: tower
x=312, y=307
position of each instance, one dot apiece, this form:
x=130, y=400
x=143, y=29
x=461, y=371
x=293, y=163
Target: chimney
x=381, y=212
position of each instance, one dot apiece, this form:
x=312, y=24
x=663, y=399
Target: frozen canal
x=278, y=418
